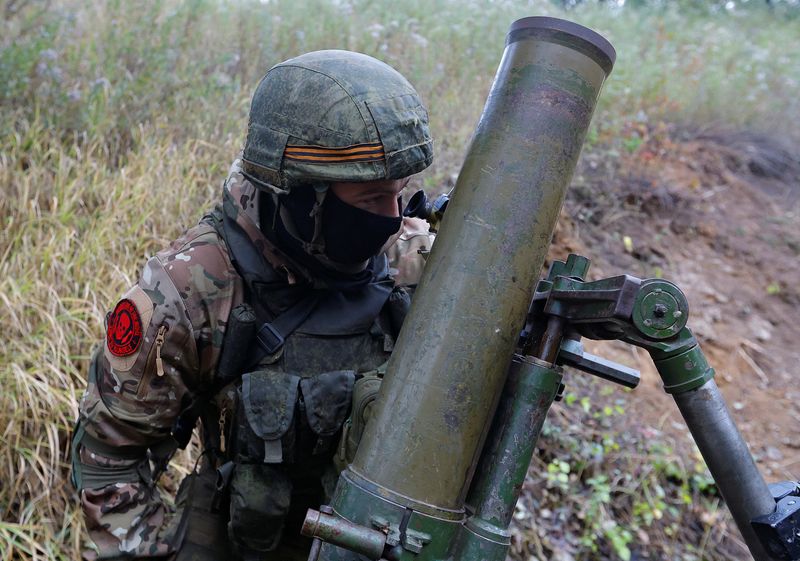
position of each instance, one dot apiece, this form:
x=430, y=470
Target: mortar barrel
x=449, y=365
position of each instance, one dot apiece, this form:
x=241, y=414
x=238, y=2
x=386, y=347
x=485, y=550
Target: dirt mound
x=719, y=214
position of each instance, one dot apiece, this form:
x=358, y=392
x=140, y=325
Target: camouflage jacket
x=162, y=346
x=407, y=255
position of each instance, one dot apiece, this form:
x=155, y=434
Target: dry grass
x=74, y=232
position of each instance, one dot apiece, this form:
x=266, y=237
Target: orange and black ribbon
x=325, y=155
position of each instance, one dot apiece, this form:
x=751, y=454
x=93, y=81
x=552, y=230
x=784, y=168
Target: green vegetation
x=602, y=487
x=118, y=126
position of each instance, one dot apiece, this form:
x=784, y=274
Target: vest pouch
x=204, y=527
x=260, y=497
x=327, y=398
x=365, y=393
x=266, y=417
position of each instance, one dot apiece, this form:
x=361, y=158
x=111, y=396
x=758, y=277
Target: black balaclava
x=351, y=235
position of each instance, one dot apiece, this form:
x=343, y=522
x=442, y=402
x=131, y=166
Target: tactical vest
x=285, y=380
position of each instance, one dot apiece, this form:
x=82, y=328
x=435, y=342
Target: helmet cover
x=334, y=116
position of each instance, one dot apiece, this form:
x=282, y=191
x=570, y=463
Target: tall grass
x=118, y=124
x=99, y=70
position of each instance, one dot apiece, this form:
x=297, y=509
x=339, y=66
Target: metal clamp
x=410, y=540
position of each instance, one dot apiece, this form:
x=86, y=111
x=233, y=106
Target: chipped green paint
x=684, y=369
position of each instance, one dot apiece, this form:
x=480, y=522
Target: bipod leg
x=724, y=450
x=728, y=459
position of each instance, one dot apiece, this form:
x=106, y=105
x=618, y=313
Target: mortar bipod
x=652, y=314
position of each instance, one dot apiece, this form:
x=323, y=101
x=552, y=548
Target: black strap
x=271, y=336
x=92, y=477
x=104, y=449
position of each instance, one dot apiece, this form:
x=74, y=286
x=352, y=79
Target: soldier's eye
x=372, y=201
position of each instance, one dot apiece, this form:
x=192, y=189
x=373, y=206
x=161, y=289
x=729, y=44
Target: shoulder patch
x=126, y=328
x=124, y=334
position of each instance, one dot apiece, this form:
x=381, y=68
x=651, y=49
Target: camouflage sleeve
x=407, y=255
x=161, y=347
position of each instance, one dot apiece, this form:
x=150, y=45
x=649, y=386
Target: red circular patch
x=124, y=334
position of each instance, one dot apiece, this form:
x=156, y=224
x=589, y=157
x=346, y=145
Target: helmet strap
x=317, y=244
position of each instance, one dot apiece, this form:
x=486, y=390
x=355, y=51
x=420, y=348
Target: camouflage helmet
x=334, y=116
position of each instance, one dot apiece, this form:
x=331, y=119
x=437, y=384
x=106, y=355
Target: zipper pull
x=222, y=419
x=160, y=336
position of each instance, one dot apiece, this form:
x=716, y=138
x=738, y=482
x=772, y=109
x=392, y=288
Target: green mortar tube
x=449, y=365
x=416, y=460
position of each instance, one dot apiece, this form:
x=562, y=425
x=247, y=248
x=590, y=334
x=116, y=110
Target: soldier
x=258, y=322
